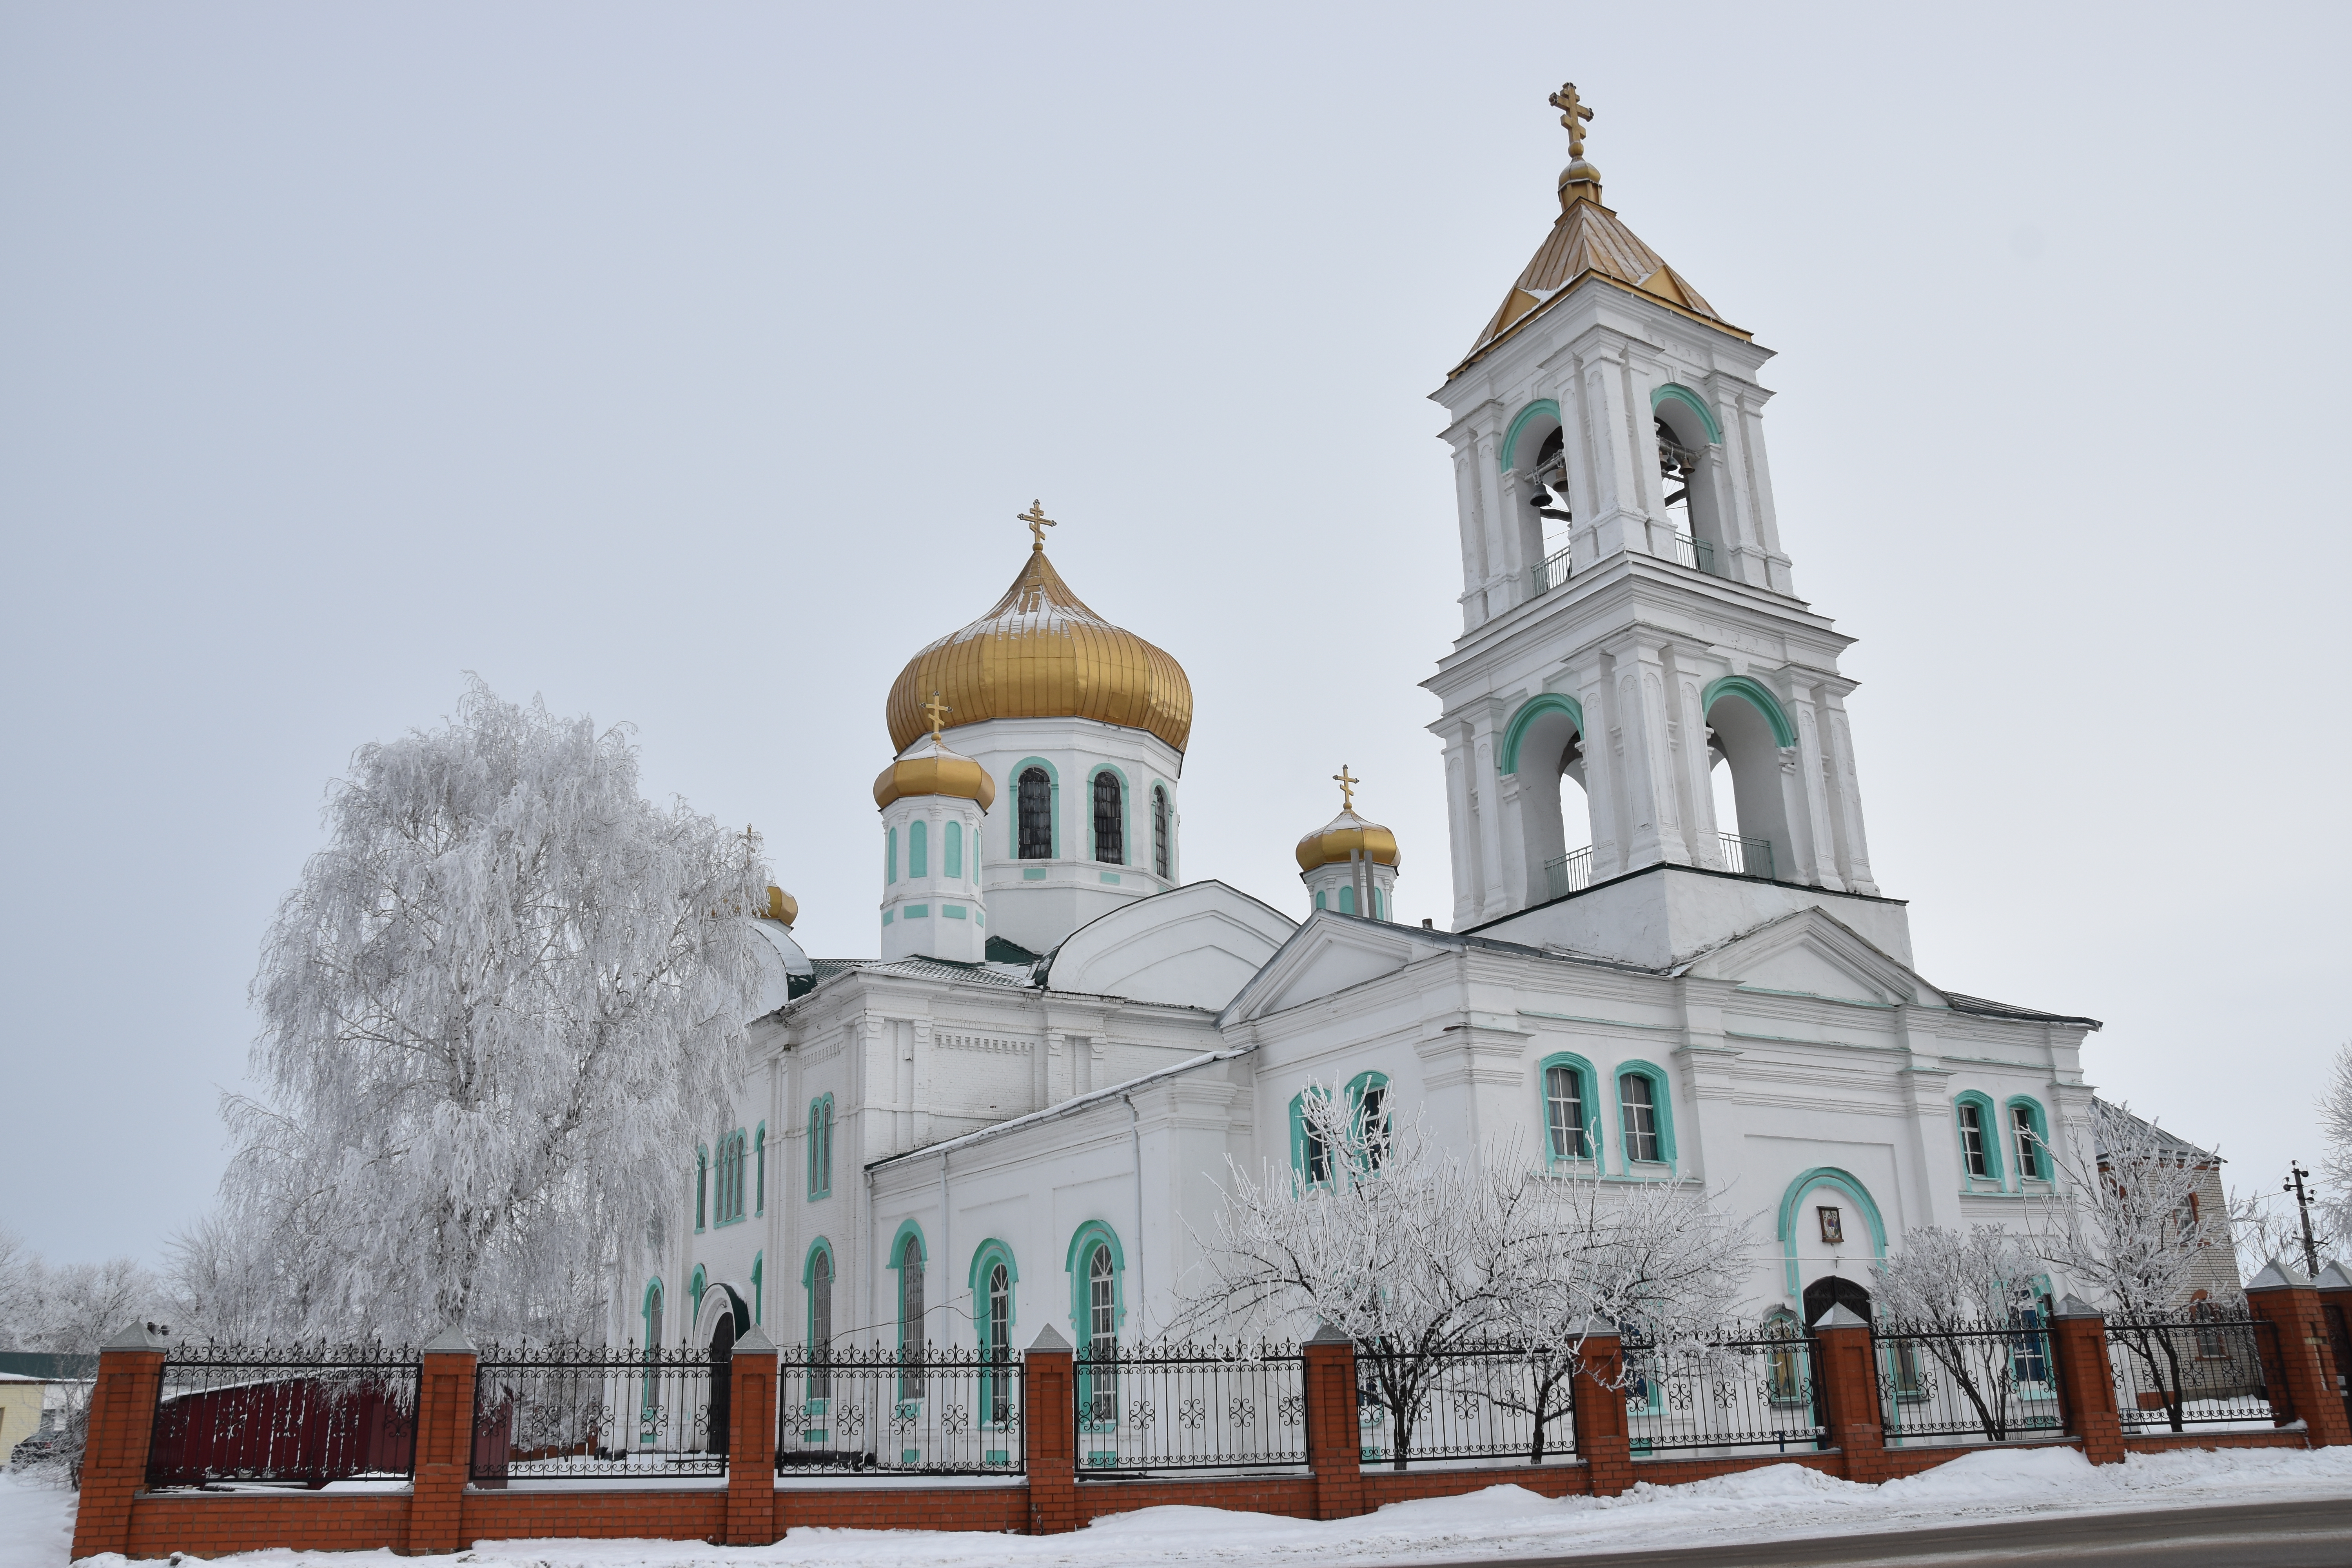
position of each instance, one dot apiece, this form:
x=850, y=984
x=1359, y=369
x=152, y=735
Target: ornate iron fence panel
x=2199, y=1368
x=1491, y=1401
x=930, y=1410
x=305, y=1415
x=598, y=1413
x=1973, y=1382
x=1746, y=1388
x=1190, y=1407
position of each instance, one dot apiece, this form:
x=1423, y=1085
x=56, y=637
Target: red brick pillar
x=1334, y=1432
x=121, y=1420
x=2298, y=1358
x=2086, y=1381
x=1845, y=1367
x=444, y=1445
x=2334, y=1287
x=751, y=1443
x=1049, y=1436
x=1599, y=1404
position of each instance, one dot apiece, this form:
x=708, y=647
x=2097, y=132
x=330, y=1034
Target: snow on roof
x=2178, y=1145
x=1075, y=1103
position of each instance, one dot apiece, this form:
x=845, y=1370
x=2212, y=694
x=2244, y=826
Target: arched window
x=1309, y=1156
x=1368, y=1118
x=890, y=856
x=820, y=1147
x=759, y=1287
x=1543, y=747
x=694, y=1287
x=1160, y=860
x=919, y=857
x=1549, y=495
x=730, y=1179
x=1346, y=900
x=760, y=1181
x=1110, y=819
x=1748, y=731
x=1786, y=1379
x=1644, y=1115
x=1980, y=1140
x=701, y=1187
x=910, y=1316
x=1102, y=1337
x=820, y=1326
x=1037, y=815
x=2029, y=1140
x=952, y=850
x=998, y=1330
x=653, y=1314
x=1571, y=1120
x=1318, y=899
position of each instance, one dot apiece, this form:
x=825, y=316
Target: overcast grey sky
x=687, y=365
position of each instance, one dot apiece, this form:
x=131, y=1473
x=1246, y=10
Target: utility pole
x=2294, y=1183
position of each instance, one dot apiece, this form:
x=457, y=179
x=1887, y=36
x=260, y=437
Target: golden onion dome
x=1345, y=833
x=932, y=769
x=782, y=907
x=1041, y=654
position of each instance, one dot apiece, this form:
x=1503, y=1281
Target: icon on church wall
x=1833, y=1226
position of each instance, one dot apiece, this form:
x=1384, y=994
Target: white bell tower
x=1631, y=624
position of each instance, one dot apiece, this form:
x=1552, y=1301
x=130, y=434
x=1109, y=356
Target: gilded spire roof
x=1041, y=654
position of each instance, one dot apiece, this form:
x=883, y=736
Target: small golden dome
x=782, y=906
x=932, y=769
x=1342, y=837
x=1041, y=654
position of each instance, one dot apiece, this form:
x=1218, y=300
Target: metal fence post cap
x=1597, y=1327
x=755, y=1341
x=133, y=1336
x=1841, y=1317
x=2073, y=1306
x=2333, y=1277
x=2278, y=1276
x=1049, y=1341
x=451, y=1341
x=1326, y=1334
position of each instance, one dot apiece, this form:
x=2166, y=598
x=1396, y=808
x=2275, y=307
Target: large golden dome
x=1041, y=654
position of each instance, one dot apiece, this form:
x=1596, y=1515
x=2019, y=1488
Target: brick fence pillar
x=121, y=1420
x=2086, y=1381
x=1334, y=1427
x=1598, y=1400
x=1049, y=1436
x=444, y=1445
x=751, y=1442
x=1846, y=1369
x=2304, y=1361
x=2334, y=1287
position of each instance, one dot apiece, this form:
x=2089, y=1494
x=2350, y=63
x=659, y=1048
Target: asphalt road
x=2256, y=1535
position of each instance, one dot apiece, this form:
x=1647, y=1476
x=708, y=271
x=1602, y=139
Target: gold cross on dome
x=1572, y=114
x=1038, y=523
x=936, y=710
x=1347, y=783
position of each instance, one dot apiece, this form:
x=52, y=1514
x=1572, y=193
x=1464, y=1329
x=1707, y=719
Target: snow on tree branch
x=2122, y=1222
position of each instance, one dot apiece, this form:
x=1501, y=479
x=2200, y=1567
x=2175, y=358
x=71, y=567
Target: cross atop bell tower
x=1637, y=685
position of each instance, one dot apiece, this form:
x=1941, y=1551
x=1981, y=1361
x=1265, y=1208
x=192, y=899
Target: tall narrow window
x=1102, y=1336
x=1037, y=815
x=890, y=856
x=701, y=1189
x=1110, y=840
x=2028, y=1143
x=1372, y=1123
x=759, y=1182
x=1314, y=1157
x=910, y=1319
x=1159, y=861
x=653, y=1317
x=820, y=1148
x=820, y=1377
x=999, y=1403
x=1972, y=1139
x=1637, y=1097
x=952, y=850
x=919, y=856
x=1564, y=1107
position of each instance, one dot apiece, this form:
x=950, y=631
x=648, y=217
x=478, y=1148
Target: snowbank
x=1785, y=1501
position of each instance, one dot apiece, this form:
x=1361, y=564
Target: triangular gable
x=1811, y=953
x=1330, y=954
x=1192, y=946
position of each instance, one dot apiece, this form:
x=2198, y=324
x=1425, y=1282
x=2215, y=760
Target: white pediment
x=1193, y=946
x=779, y=958
x=1811, y=953
x=1330, y=954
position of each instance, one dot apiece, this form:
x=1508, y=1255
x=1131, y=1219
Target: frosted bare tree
x=490, y=1012
x=1947, y=1288
x=2331, y=1221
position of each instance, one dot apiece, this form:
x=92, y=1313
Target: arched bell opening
x=1538, y=466
x=1686, y=476
x=1744, y=766
x=1556, y=813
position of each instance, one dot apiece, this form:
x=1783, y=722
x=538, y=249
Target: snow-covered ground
x=1783, y=1501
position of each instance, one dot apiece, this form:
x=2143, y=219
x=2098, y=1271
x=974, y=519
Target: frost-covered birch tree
x=2332, y=1222
x=490, y=1010
x=1947, y=1288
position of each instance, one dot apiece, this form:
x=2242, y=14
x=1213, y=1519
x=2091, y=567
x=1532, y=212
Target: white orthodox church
x=1016, y=1115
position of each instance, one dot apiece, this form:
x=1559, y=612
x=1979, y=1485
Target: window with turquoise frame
x=1368, y=1119
x=951, y=849
x=1979, y=1137
x=918, y=848
x=1571, y=1111
x=1098, y=1272
x=760, y=1181
x=701, y=1187
x=908, y=1258
x=1308, y=1155
x=649, y=1400
x=890, y=856
x=694, y=1291
x=994, y=1277
x=1645, y=1115
x=730, y=1207
x=820, y=1148
x=760, y=1287
x=2029, y=1138
x=817, y=1276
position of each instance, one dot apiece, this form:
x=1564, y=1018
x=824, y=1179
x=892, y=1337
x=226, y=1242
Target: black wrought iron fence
x=1967, y=1381
x=1190, y=1407
x=1491, y=1401
x=1752, y=1387
x=2199, y=1368
x=598, y=1413
x=929, y=1410
x=304, y=1415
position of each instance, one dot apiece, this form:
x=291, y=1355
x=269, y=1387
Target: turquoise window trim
x=1589, y=1082
x=916, y=911
x=1506, y=456
x=1346, y=900
x=1842, y=1180
x=1082, y=1245
x=993, y=1250
x=1151, y=863
x=1357, y=1086
x=984, y=1258
x=727, y=1197
x=1758, y=695
x=952, y=850
x=1299, y=1143
x=695, y=1289
x=1677, y=391
x=1319, y=899
x=1990, y=1121
x=907, y=1227
x=918, y=850
x=645, y=1308
x=760, y=1286
x=890, y=856
x=759, y=1176
x=1533, y=709
x=1126, y=812
x=808, y=1264
x=2040, y=1137
x=820, y=1150
x=1662, y=1094
x=701, y=1188
x=1012, y=817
